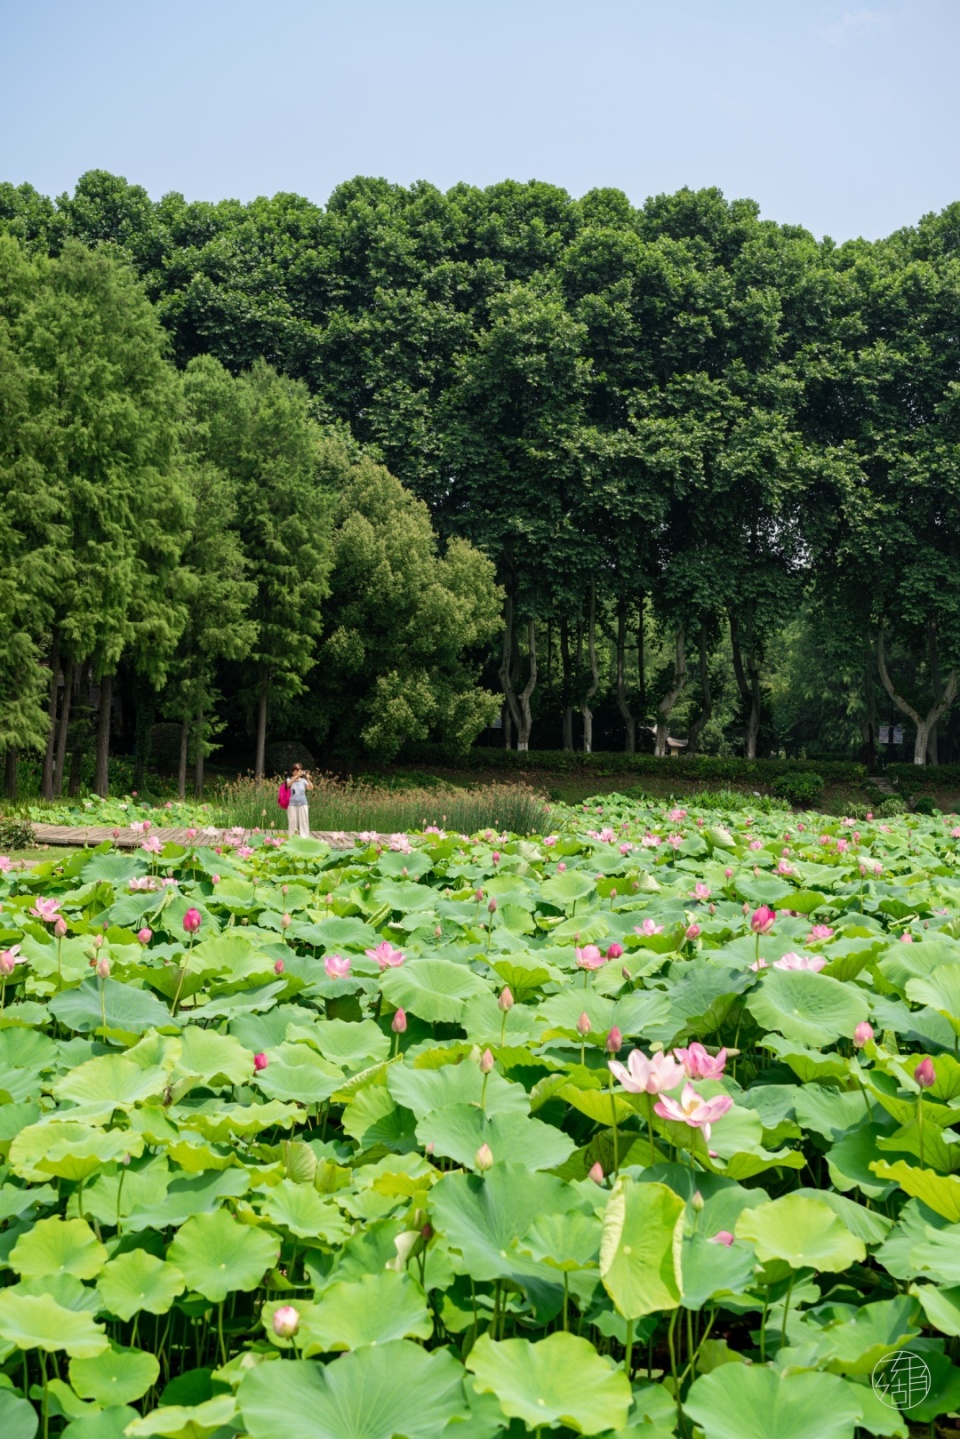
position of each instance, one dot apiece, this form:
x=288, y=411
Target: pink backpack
x=283, y=795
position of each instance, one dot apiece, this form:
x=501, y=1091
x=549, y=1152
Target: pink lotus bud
x=712, y=909
x=693, y=931
x=728, y=872
x=147, y=825
x=97, y=941
x=260, y=1061
x=284, y=889
x=145, y=935
x=492, y=906
x=285, y=1321
x=496, y=856
x=478, y=895
x=214, y=879
x=483, y=1159
x=103, y=967
x=60, y=928
x=191, y=921
x=116, y=834
x=561, y=868
x=437, y=932
x=486, y=1062
x=583, y=1025
x=285, y=921
x=614, y=1042
x=278, y=967
x=925, y=1074
x=869, y=815
x=697, y=1201
x=399, y=1022
x=626, y=973
x=595, y=1172
x=763, y=919
x=722, y=1237
x=505, y=999
x=8, y=960
x=862, y=1034
x=191, y=834
x=615, y=951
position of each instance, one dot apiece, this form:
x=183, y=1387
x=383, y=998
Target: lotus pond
x=647, y=1126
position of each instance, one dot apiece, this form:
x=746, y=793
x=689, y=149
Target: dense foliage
x=713, y=460
x=644, y=1124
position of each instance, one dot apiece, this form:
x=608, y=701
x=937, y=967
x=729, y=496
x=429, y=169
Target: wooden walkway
x=81, y=836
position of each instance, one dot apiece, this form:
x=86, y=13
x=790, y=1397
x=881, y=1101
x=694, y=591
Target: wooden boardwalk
x=81, y=836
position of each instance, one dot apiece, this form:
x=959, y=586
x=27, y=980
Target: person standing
x=298, y=814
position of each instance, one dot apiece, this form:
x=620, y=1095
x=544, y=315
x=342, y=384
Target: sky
x=839, y=117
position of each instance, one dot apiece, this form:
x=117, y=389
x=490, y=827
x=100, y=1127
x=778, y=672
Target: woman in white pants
x=298, y=815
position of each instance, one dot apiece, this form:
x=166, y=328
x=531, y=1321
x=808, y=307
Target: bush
x=15, y=832
x=858, y=811
x=734, y=799
x=929, y=776
x=804, y=791
x=891, y=806
x=926, y=804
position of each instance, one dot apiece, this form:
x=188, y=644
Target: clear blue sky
x=840, y=117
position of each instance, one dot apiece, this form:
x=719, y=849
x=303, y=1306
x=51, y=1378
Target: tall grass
x=353, y=805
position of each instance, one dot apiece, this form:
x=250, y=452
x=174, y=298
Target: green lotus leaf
x=808, y=1008
x=192, y=1194
x=69, y=1149
x=138, y=1280
x=39, y=1322
x=558, y=1380
x=348, y=1045
x=372, y=1117
x=300, y=1209
x=109, y=1082
x=941, y=1306
x=18, y=1418
x=375, y=1393
x=176, y=1421
x=738, y=1401
x=711, y=1269
x=400, y=866
x=107, y=1424
x=564, y=890
x=297, y=1072
x=217, y=1255
x=941, y=991
x=640, y=1251
x=215, y=1058
x=804, y=1232
x=425, y=1090
x=372, y=1310
x=128, y=1010
x=458, y=1130
x=117, y=1376
x=567, y=1242
x=940, y=1192
x=432, y=989
x=855, y=1343
x=59, y=1246
x=483, y=1217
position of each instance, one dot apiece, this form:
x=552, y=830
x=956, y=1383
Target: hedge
x=697, y=767
x=932, y=776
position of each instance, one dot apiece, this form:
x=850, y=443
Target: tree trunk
x=629, y=719
x=567, y=687
x=10, y=773
x=61, y=759
x=46, y=784
x=198, y=758
x=868, y=727
x=518, y=705
x=526, y=718
x=261, y=758
x=101, y=784
x=672, y=694
x=182, y=768
x=935, y=713
x=507, y=726
x=706, y=705
x=586, y=703
x=933, y=752
x=641, y=659
x=748, y=683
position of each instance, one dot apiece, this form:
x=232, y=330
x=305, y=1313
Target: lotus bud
x=712, y=909
x=486, y=1062
x=595, y=1172
x=925, y=1074
x=399, y=1022
x=583, y=1025
x=278, y=967
x=626, y=973
x=862, y=1034
x=97, y=941
x=145, y=935
x=116, y=834
x=214, y=879
x=483, y=1159
x=285, y=1321
x=697, y=1200
x=693, y=931
x=615, y=951
x=561, y=868
x=284, y=889
x=505, y=999
x=492, y=906
x=614, y=1042
x=613, y=894
x=496, y=856
x=478, y=895
x=728, y=872
x=191, y=921
x=103, y=967
x=260, y=1062
x=437, y=932
x=723, y=1236
x=8, y=962
x=60, y=928
x=763, y=919
x=285, y=921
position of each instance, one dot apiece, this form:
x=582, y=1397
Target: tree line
x=712, y=460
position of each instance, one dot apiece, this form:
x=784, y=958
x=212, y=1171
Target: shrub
x=891, y=806
x=15, y=832
x=732, y=799
x=804, y=791
x=926, y=804
x=858, y=811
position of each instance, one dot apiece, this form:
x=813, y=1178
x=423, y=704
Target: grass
x=355, y=805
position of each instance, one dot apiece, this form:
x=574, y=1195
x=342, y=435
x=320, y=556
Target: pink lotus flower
x=650, y=841
x=641, y=1075
x=607, y=835
x=589, y=957
x=550, y=840
x=214, y=879
x=144, y=881
x=400, y=844
x=800, y=961
x=925, y=1074
x=260, y=1062
x=676, y=815
x=9, y=959
x=144, y=935
x=755, y=844
x=626, y=847
x=692, y=1109
x=483, y=1159
x=152, y=845
x=386, y=956
x=139, y=826
x=45, y=909
x=336, y=968
x=192, y=921
x=759, y=963
x=862, y=1034
x=692, y=931
x=399, y=1022
x=701, y=890
x=906, y=938
x=698, y=1064
x=244, y=851
x=784, y=867
x=763, y=919
x=676, y=840
x=722, y=1236
x=819, y=933
x=648, y=928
